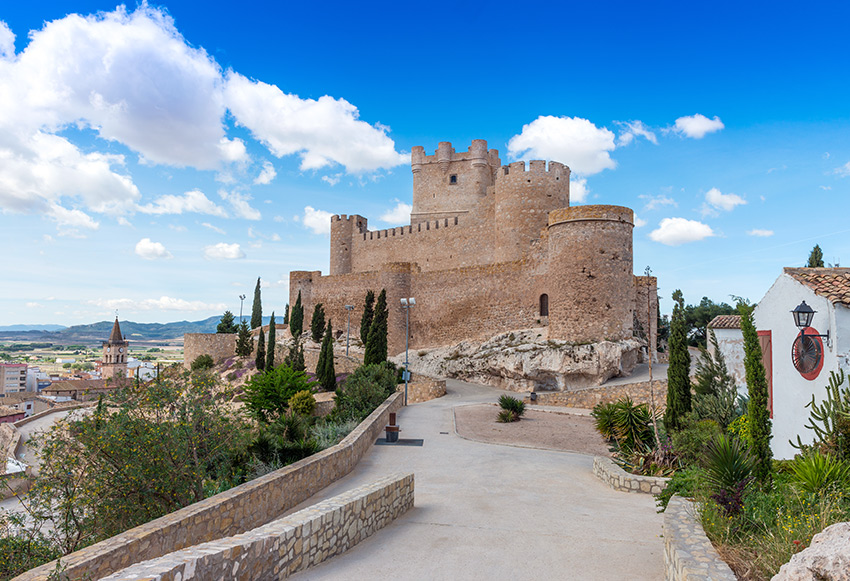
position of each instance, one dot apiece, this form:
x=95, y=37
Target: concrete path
x=491, y=512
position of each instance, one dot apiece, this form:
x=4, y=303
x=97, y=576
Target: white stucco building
x=827, y=291
x=730, y=342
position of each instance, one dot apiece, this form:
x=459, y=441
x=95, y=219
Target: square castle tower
x=490, y=248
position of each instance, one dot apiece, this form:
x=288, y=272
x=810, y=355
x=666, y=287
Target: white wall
x=791, y=391
x=731, y=344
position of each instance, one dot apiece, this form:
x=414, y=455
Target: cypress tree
x=815, y=257
x=317, y=323
x=678, y=371
x=286, y=315
x=376, y=342
x=257, y=309
x=296, y=318
x=758, y=416
x=368, y=313
x=261, y=351
x=295, y=358
x=325, y=372
x=244, y=342
x=272, y=340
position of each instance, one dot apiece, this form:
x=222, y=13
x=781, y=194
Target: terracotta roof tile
x=831, y=283
x=726, y=322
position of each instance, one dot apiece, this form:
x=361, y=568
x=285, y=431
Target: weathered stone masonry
x=489, y=248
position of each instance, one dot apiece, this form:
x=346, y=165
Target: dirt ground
x=536, y=429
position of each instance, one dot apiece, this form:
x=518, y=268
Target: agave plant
x=512, y=404
x=815, y=472
x=507, y=416
x=603, y=415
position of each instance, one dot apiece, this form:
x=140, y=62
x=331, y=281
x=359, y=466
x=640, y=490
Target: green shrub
x=690, y=441
x=507, y=416
x=814, y=472
x=267, y=394
x=363, y=391
x=685, y=482
x=203, y=362
x=512, y=404
x=331, y=433
x=626, y=423
x=303, y=403
x=740, y=428
x=728, y=461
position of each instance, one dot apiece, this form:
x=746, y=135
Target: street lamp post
x=348, y=308
x=241, y=300
x=407, y=304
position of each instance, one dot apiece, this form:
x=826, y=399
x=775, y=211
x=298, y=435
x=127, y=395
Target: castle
x=489, y=248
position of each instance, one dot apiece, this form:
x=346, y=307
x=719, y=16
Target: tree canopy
x=376, y=342
x=697, y=318
x=227, y=325
x=257, y=308
x=368, y=313
x=679, y=368
x=815, y=257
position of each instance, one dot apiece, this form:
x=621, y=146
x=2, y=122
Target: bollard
x=392, y=429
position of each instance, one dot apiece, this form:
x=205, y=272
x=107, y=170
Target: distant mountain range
x=97, y=332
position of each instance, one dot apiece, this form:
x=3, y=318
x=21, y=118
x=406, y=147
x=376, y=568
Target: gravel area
x=536, y=429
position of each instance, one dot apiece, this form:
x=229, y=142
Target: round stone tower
x=524, y=199
x=591, y=285
x=343, y=230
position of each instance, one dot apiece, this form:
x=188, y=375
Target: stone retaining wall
x=229, y=513
x=688, y=554
x=588, y=398
x=424, y=390
x=607, y=470
x=9, y=440
x=58, y=408
x=219, y=346
x=285, y=546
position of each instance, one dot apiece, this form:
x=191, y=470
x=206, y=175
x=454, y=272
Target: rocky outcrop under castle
x=526, y=360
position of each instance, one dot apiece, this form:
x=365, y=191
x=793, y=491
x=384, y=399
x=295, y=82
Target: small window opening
x=453, y=179
x=507, y=170
x=544, y=305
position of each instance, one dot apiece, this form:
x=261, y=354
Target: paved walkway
x=491, y=512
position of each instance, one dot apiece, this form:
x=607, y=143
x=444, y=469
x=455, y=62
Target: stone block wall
x=607, y=470
x=9, y=440
x=229, y=513
x=420, y=390
x=217, y=345
x=688, y=554
x=588, y=398
x=288, y=545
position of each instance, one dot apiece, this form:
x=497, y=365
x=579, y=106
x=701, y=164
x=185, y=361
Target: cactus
x=824, y=419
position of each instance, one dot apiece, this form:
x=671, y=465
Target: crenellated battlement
x=445, y=153
x=518, y=169
x=400, y=231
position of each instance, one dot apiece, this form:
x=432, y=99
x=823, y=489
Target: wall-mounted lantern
x=807, y=349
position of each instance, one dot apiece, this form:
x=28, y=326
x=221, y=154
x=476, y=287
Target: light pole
x=348, y=308
x=241, y=300
x=407, y=304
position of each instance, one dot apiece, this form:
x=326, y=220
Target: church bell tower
x=114, y=354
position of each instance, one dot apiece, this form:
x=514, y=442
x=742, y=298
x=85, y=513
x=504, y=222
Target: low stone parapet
x=588, y=398
x=232, y=512
x=688, y=554
x=288, y=545
x=607, y=470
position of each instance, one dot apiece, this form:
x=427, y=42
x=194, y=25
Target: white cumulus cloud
x=163, y=303
x=762, y=233
x=318, y=221
x=322, y=131
x=223, y=251
x=578, y=190
x=676, y=231
x=398, y=215
x=697, y=126
x=632, y=130
x=239, y=204
x=267, y=174
x=194, y=201
x=7, y=41
x=716, y=200
x=577, y=142
x=152, y=250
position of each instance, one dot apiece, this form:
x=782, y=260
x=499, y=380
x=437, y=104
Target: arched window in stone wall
x=544, y=305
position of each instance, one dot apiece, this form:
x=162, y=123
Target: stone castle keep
x=489, y=248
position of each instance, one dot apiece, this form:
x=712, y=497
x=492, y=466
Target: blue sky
x=158, y=158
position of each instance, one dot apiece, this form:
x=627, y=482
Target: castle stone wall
x=590, y=273
x=639, y=392
x=217, y=345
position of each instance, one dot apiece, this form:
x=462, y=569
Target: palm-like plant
x=815, y=472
